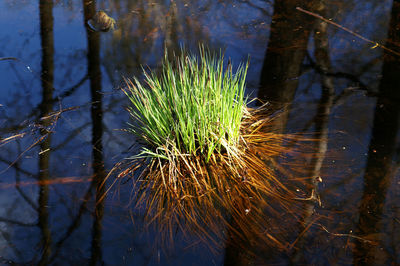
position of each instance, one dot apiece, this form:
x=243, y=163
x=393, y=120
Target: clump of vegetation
x=208, y=159
x=194, y=109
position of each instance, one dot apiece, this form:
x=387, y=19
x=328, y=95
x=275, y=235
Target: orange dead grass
x=250, y=195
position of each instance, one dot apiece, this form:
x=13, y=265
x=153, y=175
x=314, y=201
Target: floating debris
x=8, y=58
x=101, y=22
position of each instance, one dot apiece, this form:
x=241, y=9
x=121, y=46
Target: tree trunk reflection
x=382, y=146
x=47, y=77
x=323, y=62
x=281, y=69
x=94, y=73
x=287, y=48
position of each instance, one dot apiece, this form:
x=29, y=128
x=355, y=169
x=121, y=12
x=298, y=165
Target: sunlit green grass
x=194, y=107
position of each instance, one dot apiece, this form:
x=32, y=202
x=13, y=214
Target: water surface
x=62, y=108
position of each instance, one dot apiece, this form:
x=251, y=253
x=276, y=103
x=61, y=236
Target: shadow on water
x=281, y=69
x=379, y=171
x=96, y=110
x=59, y=110
x=46, y=107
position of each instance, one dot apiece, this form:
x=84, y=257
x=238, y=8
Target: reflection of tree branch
x=342, y=182
x=22, y=83
x=63, y=201
x=341, y=98
x=71, y=90
x=25, y=197
x=22, y=193
x=345, y=75
x=11, y=221
x=71, y=136
x=19, y=189
x=75, y=223
x=117, y=138
x=17, y=167
x=6, y=237
x=338, y=100
x=264, y=11
x=35, y=114
x=348, y=91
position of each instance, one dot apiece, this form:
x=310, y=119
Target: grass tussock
x=209, y=162
x=194, y=108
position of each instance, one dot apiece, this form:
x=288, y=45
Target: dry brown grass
x=251, y=196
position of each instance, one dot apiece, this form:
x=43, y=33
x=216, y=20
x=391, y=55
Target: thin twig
x=8, y=139
x=347, y=235
x=29, y=148
x=58, y=113
x=376, y=44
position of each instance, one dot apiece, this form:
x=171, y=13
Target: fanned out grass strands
x=194, y=108
x=209, y=162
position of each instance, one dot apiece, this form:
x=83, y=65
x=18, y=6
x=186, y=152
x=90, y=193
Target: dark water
x=60, y=111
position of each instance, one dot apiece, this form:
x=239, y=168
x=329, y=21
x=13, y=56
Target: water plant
x=207, y=158
x=194, y=109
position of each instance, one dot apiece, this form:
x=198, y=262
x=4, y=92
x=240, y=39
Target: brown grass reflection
x=256, y=197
